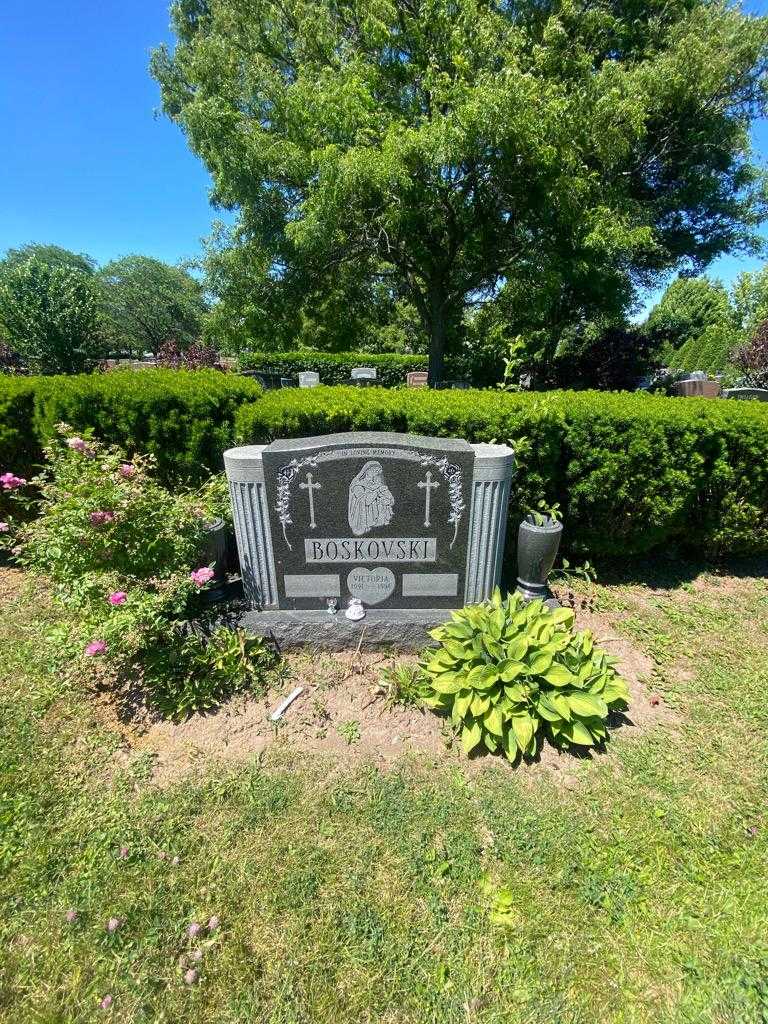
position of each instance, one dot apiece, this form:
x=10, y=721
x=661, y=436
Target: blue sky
x=87, y=164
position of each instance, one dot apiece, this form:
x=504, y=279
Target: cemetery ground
x=363, y=871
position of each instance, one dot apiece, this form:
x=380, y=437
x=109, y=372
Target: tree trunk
x=437, y=329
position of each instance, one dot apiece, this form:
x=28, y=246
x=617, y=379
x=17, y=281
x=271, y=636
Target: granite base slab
x=405, y=630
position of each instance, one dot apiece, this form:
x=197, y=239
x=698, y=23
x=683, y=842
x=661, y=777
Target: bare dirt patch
x=343, y=711
x=12, y=582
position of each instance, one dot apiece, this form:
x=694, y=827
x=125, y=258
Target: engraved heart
x=372, y=586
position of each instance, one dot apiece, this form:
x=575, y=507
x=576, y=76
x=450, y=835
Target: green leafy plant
x=501, y=903
x=507, y=672
x=194, y=672
x=350, y=731
x=567, y=573
x=545, y=513
x=403, y=684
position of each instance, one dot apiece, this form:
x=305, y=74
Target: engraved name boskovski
x=371, y=549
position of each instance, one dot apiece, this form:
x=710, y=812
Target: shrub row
x=632, y=472
x=184, y=418
x=334, y=367
x=709, y=351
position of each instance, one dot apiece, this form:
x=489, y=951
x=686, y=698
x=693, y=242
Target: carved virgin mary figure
x=370, y=500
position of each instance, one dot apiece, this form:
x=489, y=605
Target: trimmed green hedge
x=632, y=472
x=184, y=418
x=19, y=447
x=334, y=367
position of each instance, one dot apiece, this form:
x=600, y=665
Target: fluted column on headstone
x=491, y=483
x=245, y=473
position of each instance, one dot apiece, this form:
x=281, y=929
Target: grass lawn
x=625, y=887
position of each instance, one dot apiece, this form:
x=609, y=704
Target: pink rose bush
x=202, y=576
x=11, y=482
x=123, y=553
x=101, y=517
x=4, y=528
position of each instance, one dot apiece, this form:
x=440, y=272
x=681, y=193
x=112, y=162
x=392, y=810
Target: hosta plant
x=508, y=673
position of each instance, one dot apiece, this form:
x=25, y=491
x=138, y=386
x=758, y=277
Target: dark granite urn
x=214, y=553
x=538, y=540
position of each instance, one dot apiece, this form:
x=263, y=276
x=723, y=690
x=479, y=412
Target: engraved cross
x=309, y=487
x=429, y=485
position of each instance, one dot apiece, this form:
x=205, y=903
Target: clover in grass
x=508, y=673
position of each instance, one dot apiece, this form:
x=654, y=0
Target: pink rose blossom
x=113, y=924
x=95, y=647
x=194, y=929
x=106, y=1002
x=117, y=597
x=191, y=976
x=77, y=444
x=4, y=527
x=202, y=576
x=71, y=916
x=10, y=482
x=126, y=470
x=100, y=517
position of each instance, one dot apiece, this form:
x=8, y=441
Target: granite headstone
x=411, y=526
x=383, y=522
x=748, y=394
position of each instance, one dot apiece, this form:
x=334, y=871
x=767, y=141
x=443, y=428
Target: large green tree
x=462, y=144
x=750, y=300
x=688, y=306
x=52, y=255
x=49, y=316
x=352, y=309
x=146, y=303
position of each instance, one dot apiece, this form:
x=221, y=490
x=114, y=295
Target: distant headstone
x=696, y=387
x=411, y=526
x=417, y=379
x=363, y=373
x=747, y=394
x=309, y=379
